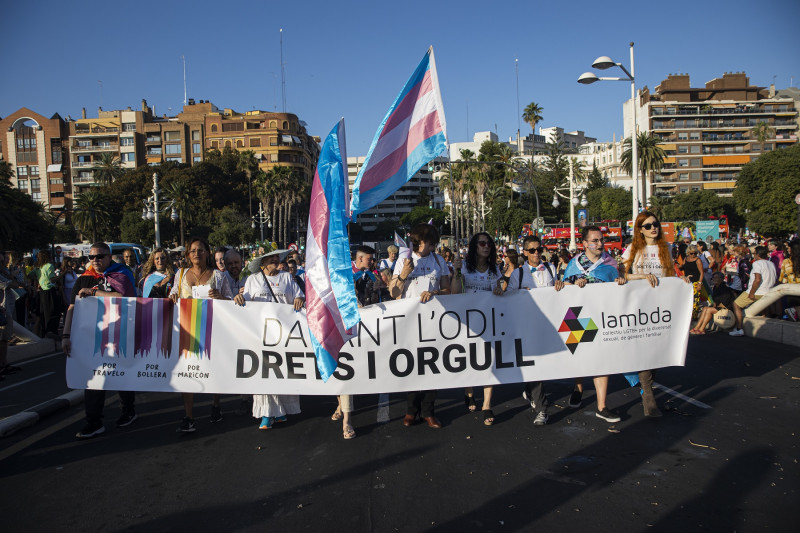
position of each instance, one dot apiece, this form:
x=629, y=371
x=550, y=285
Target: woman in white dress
x=268, y=284
x=200, y=281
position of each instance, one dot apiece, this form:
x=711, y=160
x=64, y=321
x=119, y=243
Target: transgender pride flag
x=412, y=133
x=331, y=304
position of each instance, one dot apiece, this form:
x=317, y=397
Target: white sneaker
x=736, y=333
x=791, y=313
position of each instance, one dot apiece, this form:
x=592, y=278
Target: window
x=197, y=159
x=128, y=157
x=156, y=150
x=683, y=162
x=215, y=144
x=22, y=185
x=684, y=189
x=196, y=148
x=273, y=123
x=126, y=141
x=22, y=171
x=172, y=149
x=695, y=149
x=128, y=126
x=273, y=158
x=696, y=176
x=683, y=149
x=196, y=135
x=213, y=128
x=34, y=171
x=239, y=143
x=57, y=194
x=227, y=144
x=36, y=196
x=36, y=184
x=695, y=135
x=56, y=181
x=273, y=141
x=174, y=159
x=233, y=126
x=767, y=147
x=696, y=188
x=255, y=142
x=172, y=136
x=683, y=176
x=683, y=136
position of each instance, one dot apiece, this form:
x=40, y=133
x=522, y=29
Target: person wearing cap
x=267, y=284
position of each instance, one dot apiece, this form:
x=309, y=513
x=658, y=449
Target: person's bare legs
x=601, y=389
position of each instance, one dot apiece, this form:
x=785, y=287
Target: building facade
x=708, y=133
x=36, y=148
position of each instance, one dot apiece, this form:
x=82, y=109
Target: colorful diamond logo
x=579, y=329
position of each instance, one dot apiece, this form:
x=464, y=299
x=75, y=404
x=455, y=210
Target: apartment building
x=35, y=148
x=707, y=132
x=402, y=201
x=275, y=138
x=178, y=139
x=118, y=132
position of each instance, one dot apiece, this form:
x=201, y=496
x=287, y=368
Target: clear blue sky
x=350, y=58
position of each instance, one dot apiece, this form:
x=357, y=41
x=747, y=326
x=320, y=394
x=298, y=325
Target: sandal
x=469, y=401
x=337, y=414
x=488, y=417
x=348, y=432
x=696, y=332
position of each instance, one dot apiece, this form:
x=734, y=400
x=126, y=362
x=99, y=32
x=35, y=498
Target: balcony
x=96, y=130
x=83, y=180
x=705, y=111
x=105, y=147
x=82, y=164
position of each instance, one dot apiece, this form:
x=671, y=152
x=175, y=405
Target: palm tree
x=107, y=168
x=651, y=158
x=532, y=115
x=249, y=165
x=91, y=212
x=178, y=191
x=762, y=132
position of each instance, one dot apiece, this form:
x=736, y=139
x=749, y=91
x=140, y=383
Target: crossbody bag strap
x=272, y=294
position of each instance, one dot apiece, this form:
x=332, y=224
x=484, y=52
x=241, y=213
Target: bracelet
x=94, y=291
x=401, y=279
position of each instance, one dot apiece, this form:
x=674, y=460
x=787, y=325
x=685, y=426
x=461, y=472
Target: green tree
x=609, y=203
x=761, y=132
x=6, y=173
x=422, y=214
x=232, y=228
x=766, y=189
x=91, y=213
x=23, y=225
x=65, y=233
x=650, y=155
x=595, y=179
x=532, y=115
x=134, y=229
x=698, y=205
x=249, y=165
x=179, y=192
x=107, y=168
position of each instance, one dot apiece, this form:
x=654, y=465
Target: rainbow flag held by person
x=412, y=133
x=331, y=303
x=195, y=318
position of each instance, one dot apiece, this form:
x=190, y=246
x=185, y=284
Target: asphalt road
x=723, y=458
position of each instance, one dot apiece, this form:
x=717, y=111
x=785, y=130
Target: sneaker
x=266, y=423
x=529, y=400
x=126, y=420
x=575, y=399
x=791, y=312
x=91, y=430
x=216, y=414
x=541, y=419
x=736, y=333
x=187, y=425
x=608, y=416
x=279, y=419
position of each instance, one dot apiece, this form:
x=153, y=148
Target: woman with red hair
x=648, y=257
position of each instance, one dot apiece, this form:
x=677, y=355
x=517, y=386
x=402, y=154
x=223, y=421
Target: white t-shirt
x=532, y=277
x=647, y=261
x=767, y=271
x=427, y=272
x=479, y=281
x=283, y=286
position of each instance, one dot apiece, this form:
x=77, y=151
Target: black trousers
x=535, y=392
x=50, y=310
x=421, y=402
x=94, y=400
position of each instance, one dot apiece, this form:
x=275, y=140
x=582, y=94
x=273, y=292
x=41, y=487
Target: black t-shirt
x=87, y=282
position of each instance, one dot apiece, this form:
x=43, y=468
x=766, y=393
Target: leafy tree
x=650, y=155
x=532, y=115
x=179, y=192
x=595, y=179
x=766, y=188
x=6, y=173
x=65, y=233
x=134, y=229
x=609, y=203
x=232, y=228
x=107, y=168
x=91, y=213
x=698, y=205
x=22, y=222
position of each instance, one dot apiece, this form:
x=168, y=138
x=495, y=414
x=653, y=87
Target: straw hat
x=255, y=264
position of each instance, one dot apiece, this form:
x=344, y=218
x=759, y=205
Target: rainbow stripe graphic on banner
x=133, y=326
x=194, y=318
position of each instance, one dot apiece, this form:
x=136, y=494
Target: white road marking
x=27, y=381
x=683, y=397
x=38, y=359
x=383, y=408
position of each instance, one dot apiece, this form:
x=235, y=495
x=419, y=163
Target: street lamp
x=261, y=218
x=152, y=207
x=603, y=63
x=574, y=192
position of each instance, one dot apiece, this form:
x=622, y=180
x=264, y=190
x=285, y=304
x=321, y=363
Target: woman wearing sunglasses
x=648, y=257
x=481, y=273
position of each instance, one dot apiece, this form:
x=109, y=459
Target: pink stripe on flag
x=388, y=166
x=324, y=326
x=406, y=108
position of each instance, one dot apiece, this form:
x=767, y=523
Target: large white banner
x=451, y=341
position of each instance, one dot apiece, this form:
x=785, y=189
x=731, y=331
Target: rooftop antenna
x=468, y=119
x=100, y=84
x=283, y=76
x=184, y=80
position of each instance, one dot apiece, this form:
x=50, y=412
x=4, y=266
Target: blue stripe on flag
x=326, y=364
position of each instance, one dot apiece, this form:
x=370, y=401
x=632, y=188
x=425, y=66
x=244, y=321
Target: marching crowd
x=726, y=277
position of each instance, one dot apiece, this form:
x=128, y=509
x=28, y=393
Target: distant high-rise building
x=35, y=147
x=708, y=133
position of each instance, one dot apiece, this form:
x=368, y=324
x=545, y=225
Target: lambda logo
x=580, y=329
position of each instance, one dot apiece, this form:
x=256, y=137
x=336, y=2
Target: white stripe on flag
x=398, y=136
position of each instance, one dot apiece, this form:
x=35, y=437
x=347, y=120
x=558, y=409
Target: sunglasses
x=98, y=256
x=650, y=226
x=483, y=243
x=534, y=250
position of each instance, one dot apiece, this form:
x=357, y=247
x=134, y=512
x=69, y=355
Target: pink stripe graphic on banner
x=166, y=310
x=117, y=328
x=106, y=328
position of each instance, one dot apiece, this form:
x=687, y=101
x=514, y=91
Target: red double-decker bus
x=555, y=235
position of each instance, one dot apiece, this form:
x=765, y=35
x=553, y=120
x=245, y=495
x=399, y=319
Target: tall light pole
x=574, y=192
x=261, y=218
x=152, y=207
x=603, y=63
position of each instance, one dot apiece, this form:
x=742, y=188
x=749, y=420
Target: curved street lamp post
x=574, y=191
